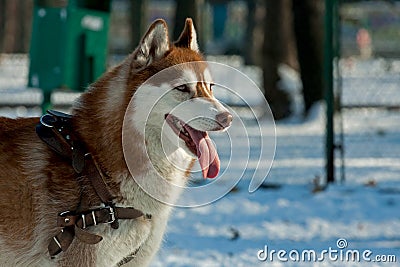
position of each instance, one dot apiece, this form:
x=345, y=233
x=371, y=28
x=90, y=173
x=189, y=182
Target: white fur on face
x=199, y=113
x=190, y=78
x=151, y=103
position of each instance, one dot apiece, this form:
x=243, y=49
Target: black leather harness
x=55, y=129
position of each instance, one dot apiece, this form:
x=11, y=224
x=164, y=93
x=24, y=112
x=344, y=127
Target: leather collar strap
x=73, y=225
x=55, y=129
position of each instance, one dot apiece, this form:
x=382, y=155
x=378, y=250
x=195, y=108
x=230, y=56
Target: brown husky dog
x=64, y=179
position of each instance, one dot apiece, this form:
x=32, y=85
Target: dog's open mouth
x=199, y=143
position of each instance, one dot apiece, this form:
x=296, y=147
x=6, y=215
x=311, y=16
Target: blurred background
x=330, y=71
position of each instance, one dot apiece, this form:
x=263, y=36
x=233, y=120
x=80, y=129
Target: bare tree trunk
x=248, y=44
x=25, y=20
x=2, y=23
x=19, y=45
x=309, y=40
x=138, y=21
x=15, y=25
x=29, y=23
x=10, y=26
x=289, y=39
x=275, y=51
x=185, y=9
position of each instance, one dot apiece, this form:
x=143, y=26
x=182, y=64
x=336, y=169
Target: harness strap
x=74, y=224
x=61, y=241
x=96, y=216
x=97, y=179
x=55, y=129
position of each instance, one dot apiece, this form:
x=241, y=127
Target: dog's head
x=177, y=99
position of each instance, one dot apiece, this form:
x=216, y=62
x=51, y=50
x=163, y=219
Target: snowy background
x=289, y=211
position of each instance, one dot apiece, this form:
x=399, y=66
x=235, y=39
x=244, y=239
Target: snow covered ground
x=289, y=212
x=286, y=214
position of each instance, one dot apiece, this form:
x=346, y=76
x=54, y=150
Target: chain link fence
x=367, y=121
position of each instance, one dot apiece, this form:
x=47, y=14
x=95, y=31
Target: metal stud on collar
x=57, y=242
x=94, y=218
x=83, y=221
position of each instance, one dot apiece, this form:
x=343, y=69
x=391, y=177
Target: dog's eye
x=183, y=88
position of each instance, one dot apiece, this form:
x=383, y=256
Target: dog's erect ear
x=154, y=44
x=188, y=37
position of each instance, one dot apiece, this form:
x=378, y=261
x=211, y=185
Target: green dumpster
x=68, y=44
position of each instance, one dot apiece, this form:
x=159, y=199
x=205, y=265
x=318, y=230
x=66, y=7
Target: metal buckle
x=112, y=214
x=47, y=120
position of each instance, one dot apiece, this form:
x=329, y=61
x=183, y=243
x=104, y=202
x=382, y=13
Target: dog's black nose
x=224, y=118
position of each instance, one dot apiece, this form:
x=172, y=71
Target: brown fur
x=35, y=185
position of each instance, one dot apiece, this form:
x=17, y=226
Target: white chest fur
x=143, y=233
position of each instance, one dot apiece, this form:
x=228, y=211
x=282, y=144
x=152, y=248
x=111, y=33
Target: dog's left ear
x=154, y=45
x=188, y=37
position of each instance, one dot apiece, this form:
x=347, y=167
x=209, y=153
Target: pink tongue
x=206, y=152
